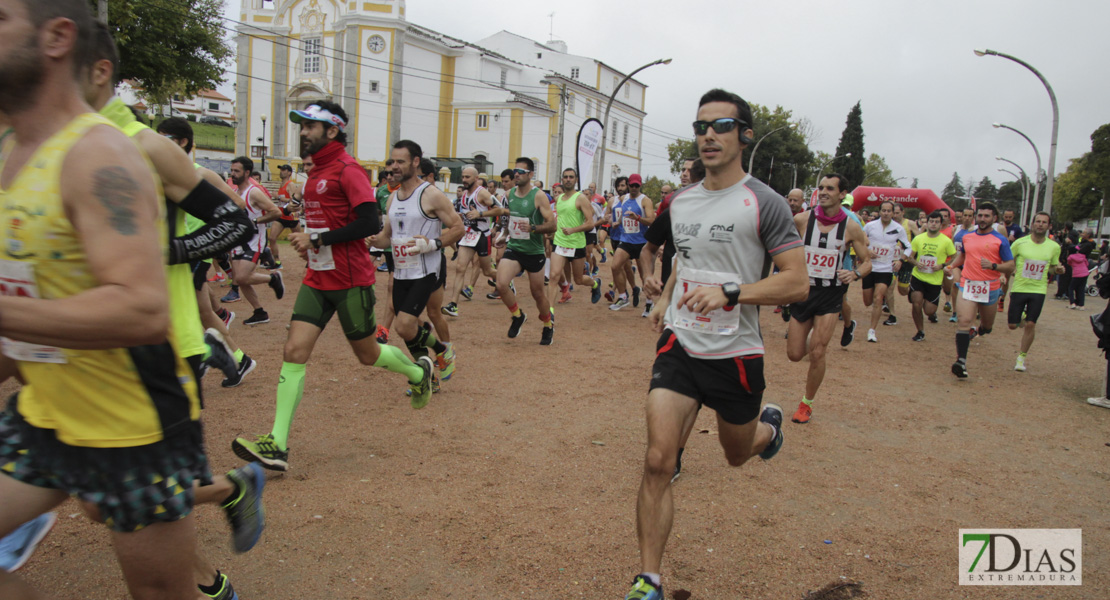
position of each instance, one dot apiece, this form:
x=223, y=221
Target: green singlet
x=568, y=217
x=525, y=208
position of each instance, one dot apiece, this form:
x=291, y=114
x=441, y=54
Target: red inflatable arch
x=926, y=200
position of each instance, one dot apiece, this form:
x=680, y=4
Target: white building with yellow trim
x=482, y=103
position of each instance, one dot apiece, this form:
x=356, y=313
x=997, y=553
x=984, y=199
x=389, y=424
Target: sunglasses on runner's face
x=720, y=125
x=520, y=171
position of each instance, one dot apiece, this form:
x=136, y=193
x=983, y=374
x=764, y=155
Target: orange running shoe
x=803, y=413
x=566, y=295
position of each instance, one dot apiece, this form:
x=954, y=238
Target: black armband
x=367, y=223
x=225, y=226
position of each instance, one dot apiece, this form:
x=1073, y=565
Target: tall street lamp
x=1055, y=124
x=263, y=140
x=1024, y=186
x=609, y=105
x=1024, y=189
x=751, y=159
x=1037, y=182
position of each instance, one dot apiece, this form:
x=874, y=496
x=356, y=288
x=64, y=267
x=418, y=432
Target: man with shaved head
x=795, y=199
x=478, y=208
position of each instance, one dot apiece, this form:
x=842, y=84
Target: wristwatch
x=439, y=244
x=315, y=239
x=732, y=292
x=994, y=267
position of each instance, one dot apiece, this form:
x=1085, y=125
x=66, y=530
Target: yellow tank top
x=96, y=398
x=187, y=331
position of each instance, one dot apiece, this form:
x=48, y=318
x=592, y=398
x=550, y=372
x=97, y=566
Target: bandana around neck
x=824, y=219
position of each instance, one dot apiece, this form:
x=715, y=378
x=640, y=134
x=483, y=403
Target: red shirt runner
x=337, y=185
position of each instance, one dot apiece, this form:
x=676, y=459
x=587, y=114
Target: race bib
x=471, y=238
x=404, y=256
x=822, y=262
x=927, y=264
x=1034, y=269
x=18, y=279
x=567, y=252
x=320, y=260
x=520, y=228
x=723, y=321
x=977, y=291
x=630, y=225
x=882, y=252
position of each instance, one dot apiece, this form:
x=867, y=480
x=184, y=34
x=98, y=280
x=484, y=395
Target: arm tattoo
x=116, y=190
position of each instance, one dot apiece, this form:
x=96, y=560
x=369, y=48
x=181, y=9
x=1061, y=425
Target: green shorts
x=355, y=307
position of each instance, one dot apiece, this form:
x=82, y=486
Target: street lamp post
x=1024, y=186
x=1024, y=189
x=609, y=105
x=263, y=139
x=794, y=181
x=1055, y=124
x=751, y=159
x=1037, y=180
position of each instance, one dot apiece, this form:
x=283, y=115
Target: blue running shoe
x=245, y=512
x=595, y=294
x=17, y=548
x=232, y=296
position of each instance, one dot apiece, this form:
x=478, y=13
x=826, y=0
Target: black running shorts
x=1024, y=302
x=633, y=250
x=929, y=291
x=731, y=386
x=872, y=279
x=411, y=295
x=591, y=239
x=533, y=263
x=827, y=300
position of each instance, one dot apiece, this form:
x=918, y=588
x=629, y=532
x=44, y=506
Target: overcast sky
x=928, y=102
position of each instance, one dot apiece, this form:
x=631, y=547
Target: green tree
x=170, y=46
x=952, y=191
x=1010, y=196
x=1077, y=193
x=783, y=148
x=877, y=173
x=653, y=187
x=851, y=142
x=985, y=190
x=678, y=151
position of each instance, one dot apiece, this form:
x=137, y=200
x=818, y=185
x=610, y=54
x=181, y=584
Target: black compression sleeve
x=660, y=230
x=225, y=226
x=367, y=222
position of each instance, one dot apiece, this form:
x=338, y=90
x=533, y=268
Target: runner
x=574, y=216
x=637, y=213
x=828, y=233
x=477, y=208
x=711, y=350
x=613, y=216
x=795, y=198
x=340, y=212
x=288, y=219
x=445, y=360
x=905, y=273
x=888, y=242
x=244, y=258
x=848, y=334
x=382, y=193
x=87, y=250
x=529, y=219
x=1035, y=256
x=930, y=253
x=949, y=230
x=982, y=258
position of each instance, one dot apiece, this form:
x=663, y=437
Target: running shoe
x=445, y=362
x=871, y=337
x=785, y=314
x=677, y=466
x=603, y=259
x=644, y=589
x=220, y=355
x=1103, y=402
x=547, y=335
x=277, y=285
x=262, y=450
x=595, y=293
x=259, y=317
x=772, y=415
x=933, y=318
x=1002, y=304
x=422, y=391
x=959, y=369
x=382, y=335
x=493, y=295
x=435, y=386
x=891, y=320
x=609, y=296
x=217, y=278
x=918, y=337
x=245, y=513
x=778, y=309
x=635, y=292
x=17, y=548
x=803, y=413
x=224, y=591
x=518, y=322
x=647, y=309
x=245, y=367
x=972, y=333
x=228, y=317
x=948, y=307
x=566, y=295
x=1020, y=364
x=268, y=265
x=953, y=319
x=231, y=296
x=451, y=310
x=848, y=335
x=492, y=283
x=382, y=268
x=886, y=308
x=467, y=292
x=593, y=272
x=619, y=304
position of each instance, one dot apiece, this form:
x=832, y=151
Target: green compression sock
x=289, y=393
x=392, y=359
x=239, y=354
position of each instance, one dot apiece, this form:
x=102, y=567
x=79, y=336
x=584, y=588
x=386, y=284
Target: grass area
x=211, y=137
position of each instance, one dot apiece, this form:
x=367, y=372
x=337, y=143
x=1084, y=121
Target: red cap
x=635, y=178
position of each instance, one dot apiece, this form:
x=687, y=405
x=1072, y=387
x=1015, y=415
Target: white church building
x=480, y=103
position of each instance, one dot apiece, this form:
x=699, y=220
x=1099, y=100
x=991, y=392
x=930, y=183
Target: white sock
x=654, y=579
x=547, y=268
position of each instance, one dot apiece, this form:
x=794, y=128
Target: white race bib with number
x=1034, y=269
x=630, y=225
x=320, y=260
x=567, y=252
x=977, y=291
x=18, y=279
x=882, y=252
x=520, y=228
x=927, y=264
x=471, y=238
x=723, y=321
x=404, y=256
x=822, y=262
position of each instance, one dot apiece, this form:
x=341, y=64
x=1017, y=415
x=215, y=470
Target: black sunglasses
x=719, y=126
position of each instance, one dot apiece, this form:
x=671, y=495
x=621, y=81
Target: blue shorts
x=993, y=297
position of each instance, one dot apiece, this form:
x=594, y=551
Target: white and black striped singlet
x=831, y=240
x=407, y=219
